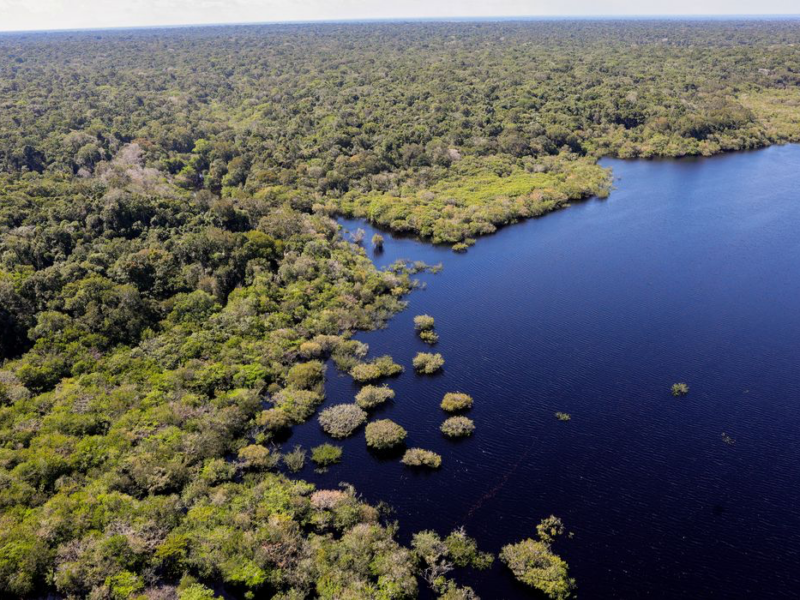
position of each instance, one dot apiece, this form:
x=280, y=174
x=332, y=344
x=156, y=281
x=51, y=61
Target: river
x=687, y=272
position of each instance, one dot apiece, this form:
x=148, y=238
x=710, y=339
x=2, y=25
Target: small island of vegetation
x=456, y=401
x=679, y=389
x=458, y=426
x=384, y=434
x=418, y=457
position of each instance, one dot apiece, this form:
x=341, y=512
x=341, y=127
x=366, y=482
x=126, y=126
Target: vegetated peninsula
x=172, y=282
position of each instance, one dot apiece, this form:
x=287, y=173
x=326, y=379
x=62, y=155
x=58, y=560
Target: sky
x=21, y=15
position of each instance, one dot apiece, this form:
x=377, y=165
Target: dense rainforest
x=173, y=285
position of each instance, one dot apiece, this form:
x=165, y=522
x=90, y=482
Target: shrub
x=562, y=416
x=455, y=427
x=295, y=460
x=460, y=247
x=382, y=366
x=342, y=420
x=299, y=405
x=256, y=457
x=306, y=376
x=371, y=396
x=424, y=323
x=456, y=401
x=679, y=389
x=326, y=455
x=429, y=337
x=533, y=563
x=427, y=363
x=273, y=419
x=377, y=241
x=417, y=457
x=384, y=434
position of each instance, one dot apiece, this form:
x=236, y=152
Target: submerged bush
x=429, y=337
x=384, y=434
x=428, y=363
x=456, y=401
x=562, y=416
x=533, y=563
x=256, y=458
x=679, y=389
x=377, y=241
x=274, y=419
x=299, y=405
x=306, y=376
x=455, y=427
x=382, y=366
x=326, y=455
x=424, y=323
x=342, y=420
x=417, y=457
x=295, y=460
x=371, y=396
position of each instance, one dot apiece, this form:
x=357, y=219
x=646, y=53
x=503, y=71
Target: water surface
x=688, y=272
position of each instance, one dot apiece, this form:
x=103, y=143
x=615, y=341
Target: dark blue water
x=688, y=272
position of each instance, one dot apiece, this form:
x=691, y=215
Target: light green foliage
x=371, y=396
x=427, y=363
x=562, y=416
x=459, y=426
x=429, y=337
x=299, y=405
x=341, y=420
x=326, y=455
x=550, y=529
x=456, y=401
x=533, y=562
x=377, y=241
x=679, y=389
x=295, y=460
x=384, y=434
x=383, y=366
x=306, y=376
x=417, y=457
x=424, y=323
x=439, y=556
x=196, y=591
x=257, y=457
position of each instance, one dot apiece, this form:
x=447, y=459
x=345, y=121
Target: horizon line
x=442, y=19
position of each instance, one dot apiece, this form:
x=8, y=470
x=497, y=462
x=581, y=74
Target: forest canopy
x=172, y=284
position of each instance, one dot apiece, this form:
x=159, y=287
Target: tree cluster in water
x=171, y=281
